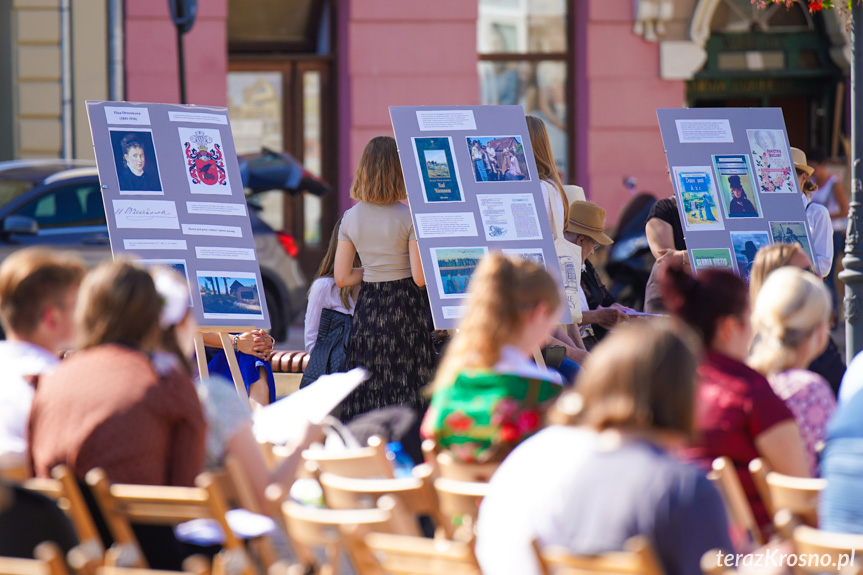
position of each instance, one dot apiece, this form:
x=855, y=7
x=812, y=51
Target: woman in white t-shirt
x=325, y=294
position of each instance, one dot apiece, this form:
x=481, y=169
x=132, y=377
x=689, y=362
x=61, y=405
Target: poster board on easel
x=174, y=196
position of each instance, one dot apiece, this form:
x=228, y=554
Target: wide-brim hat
x=574, y=194
x=799, y=158
x=588, y=219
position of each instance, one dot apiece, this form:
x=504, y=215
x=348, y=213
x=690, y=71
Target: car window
x=72, y=206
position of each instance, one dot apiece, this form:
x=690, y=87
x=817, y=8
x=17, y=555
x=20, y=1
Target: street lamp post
x=852, y=275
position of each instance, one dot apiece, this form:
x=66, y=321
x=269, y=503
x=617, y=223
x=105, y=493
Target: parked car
x=59, y=204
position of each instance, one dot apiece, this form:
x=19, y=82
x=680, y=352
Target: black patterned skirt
x=391, y=337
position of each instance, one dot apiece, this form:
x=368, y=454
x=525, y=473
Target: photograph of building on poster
x=497, y=159
x=438, y=169
x=739, y=197
x=791, y=233
x=746, y=244
x=453, y=268
x=698, y=194
x=135, y=160
x=706, y=258
x=773, y=164
x=230, y=295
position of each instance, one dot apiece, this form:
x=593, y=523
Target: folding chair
x=758, y=469
x=444, y=465
x=637, y=558
x=799, y=495
x=459, y=504
x=364, y=462
x=724, y=477
x=397, y=554
x=194, y=565
x=124, y=504
x=48, y=561
x=810, y=542
x=416, y=494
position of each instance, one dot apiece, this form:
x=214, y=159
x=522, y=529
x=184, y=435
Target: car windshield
x=11, y=189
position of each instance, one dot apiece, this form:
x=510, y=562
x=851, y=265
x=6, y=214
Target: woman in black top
x=665, y=238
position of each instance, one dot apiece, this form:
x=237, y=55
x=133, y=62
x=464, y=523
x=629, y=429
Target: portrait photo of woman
x=135, y=157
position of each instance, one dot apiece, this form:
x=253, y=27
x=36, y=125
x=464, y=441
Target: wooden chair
x=444, y=465
x=124, y=504
x=724, y=477
x=14, y=468
x=459, y=504
x=48, y=561
x=335, y=530
x=362, y=463
x=838, y=546
x=636, y=558
x=63, y=488
x=416, y=495
x=799, y=495
x=193, y=565
x=758, y=469
x=397, y=554
x=710, y=564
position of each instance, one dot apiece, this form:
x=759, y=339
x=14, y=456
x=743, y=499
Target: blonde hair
x=544, y=157
x=792, y=303
x=379, y=178
x=328, y=265
x=641, y=378
x=119, y=304
x=502, y=294
x=809, y=187
x=767, y=259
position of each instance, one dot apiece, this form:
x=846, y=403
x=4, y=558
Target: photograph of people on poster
x=699, y=200
x=746, y=245
x=773, y=165
x=438, y=169
x=739, y=197
x=497, y=159
x=230, y=295
x=705, y=258
x=453, y=268
x=791, y=233
x=135, y=160
x=178, y=266
x=205, y=162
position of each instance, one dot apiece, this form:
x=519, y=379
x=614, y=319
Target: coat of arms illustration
x=206, y=164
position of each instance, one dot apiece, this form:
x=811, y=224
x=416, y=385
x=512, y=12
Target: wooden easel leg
x=228, y=346
x=201, y=356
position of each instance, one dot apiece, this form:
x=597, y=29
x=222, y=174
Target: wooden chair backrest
x=14, y=467
x=799, y=495
x=416, y=494
x=758, y=469
x=397, y=554
x=364, y=462
x=124, y=504
x=724, y=477
x=449, y=468
x=710, y=564
x=809, y=541
x=335, y=530
x=48, y=561
x=63, y=488
x=459, y=502
x=636, y=559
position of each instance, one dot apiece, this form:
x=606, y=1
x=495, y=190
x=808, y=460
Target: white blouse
x=324, y=294
x=821, y=230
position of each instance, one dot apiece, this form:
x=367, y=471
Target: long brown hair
x=379, y=178
x=545, y=166
x=328, y=265
x=503, y=292
x=766, y=260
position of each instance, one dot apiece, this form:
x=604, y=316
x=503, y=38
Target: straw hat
x=574, y=193
x=799, y=158
x=588, y=219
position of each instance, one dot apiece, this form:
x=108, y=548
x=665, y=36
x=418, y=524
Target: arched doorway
x=776, y=57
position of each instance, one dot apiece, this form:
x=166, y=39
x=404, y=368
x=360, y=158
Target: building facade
x=315, y=78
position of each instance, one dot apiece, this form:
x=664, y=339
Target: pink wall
x=405, y=53
x=151, y=54
x=618, y=89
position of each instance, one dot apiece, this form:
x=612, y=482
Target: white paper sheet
x=128, y=116
x=441, y=120
x=446, y=225
x=219, y=253
x=209, y=230
x=197, y=118
x=216, y=209
x=706, y=131
x=149, y=244
x=283, y=421
x=146, y=214
x=508, y=217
